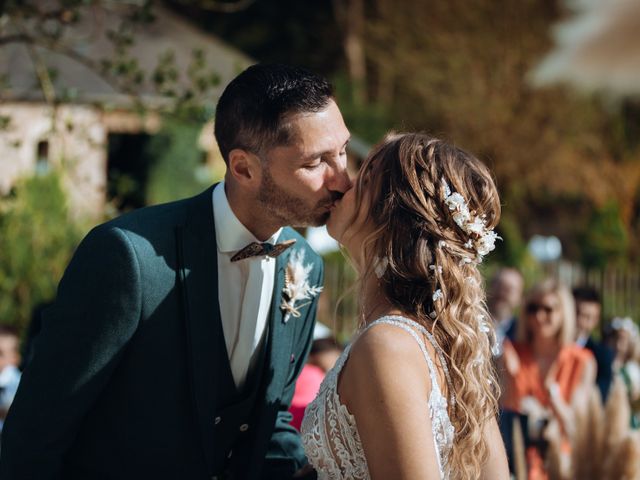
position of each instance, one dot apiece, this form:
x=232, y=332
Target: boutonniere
x=296, y=286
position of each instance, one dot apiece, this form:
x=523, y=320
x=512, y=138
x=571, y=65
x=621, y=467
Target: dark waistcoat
x=234, y=417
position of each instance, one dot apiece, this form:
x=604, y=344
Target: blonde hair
x=550, y=286
x=414, y=230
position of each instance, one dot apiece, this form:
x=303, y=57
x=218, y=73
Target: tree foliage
x=102, y=36
x=460, y=69
x=178, y=170
x=605, y=239
x=35, y=246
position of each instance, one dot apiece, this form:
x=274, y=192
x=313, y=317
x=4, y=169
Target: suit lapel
x=198, y=272
x=196, y=242
x=280, y=333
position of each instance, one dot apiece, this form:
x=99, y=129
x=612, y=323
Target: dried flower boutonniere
x=296, y=286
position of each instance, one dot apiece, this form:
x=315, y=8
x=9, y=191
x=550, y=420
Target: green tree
x=179, y=169
x=605, y=239
x=35, y=246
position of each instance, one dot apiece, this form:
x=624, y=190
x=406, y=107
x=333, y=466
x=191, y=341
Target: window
x=42, y=157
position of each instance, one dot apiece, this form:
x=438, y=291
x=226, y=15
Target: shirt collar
x=231, y=234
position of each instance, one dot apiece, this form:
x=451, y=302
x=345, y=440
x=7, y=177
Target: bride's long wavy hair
x=402, y=183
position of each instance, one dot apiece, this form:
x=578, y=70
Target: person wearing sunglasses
x=544, y=369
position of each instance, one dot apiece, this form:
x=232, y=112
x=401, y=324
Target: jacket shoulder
x=151, y=216
x=289, y=233
x=164, y=216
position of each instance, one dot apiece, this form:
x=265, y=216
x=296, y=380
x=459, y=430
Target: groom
x=172, y=351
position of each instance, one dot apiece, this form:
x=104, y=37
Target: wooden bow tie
x=256, y=249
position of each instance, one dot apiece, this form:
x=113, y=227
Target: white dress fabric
x=329, y=433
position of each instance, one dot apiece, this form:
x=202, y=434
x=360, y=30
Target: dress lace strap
x=396, y=321
x=402, y=322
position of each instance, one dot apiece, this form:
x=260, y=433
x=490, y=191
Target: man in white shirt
x=179, y=330
x=503, y=299
x=9, y=373
x=588, y=312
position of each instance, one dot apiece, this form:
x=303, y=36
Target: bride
x=414, y=395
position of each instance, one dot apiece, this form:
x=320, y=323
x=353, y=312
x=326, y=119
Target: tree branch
x=15, y=38
x=94, y=66
x=219, y=6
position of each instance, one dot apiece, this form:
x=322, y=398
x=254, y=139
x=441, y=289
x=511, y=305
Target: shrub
x=35, y=246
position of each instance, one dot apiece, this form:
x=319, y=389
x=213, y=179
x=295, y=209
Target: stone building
x=67, y=120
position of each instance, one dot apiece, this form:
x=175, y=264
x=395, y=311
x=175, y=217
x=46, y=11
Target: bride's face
x=348, y=226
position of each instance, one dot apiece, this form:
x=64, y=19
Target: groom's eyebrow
x=311, y=156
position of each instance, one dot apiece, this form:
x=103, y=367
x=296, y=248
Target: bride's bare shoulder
x=383, y=341
x=384, y=356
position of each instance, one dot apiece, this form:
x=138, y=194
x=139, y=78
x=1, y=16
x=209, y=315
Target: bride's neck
x=374, y=302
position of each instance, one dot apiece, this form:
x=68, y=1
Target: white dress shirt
x=245, y=287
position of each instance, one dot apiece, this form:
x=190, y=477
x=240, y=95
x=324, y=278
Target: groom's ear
x=244, y=167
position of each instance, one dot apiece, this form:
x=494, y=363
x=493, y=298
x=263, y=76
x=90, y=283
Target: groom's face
x=302, y=180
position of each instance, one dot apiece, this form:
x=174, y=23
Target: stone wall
x=71, y=137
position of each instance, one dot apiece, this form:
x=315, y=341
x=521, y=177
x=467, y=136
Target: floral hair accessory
x=435, y=268
x=482, y=239
x=380, y=266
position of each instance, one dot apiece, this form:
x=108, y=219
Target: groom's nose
x=340, y=181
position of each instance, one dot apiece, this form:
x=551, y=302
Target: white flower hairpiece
x=296, y=286
x=380, y=266
x=625, y=323
x=482, y=239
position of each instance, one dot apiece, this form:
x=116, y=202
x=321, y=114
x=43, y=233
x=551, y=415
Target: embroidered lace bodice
x=329, y=434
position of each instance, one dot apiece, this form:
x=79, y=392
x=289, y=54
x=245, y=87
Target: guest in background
x=9, y=372
x=624, y=337
x=544, y=368
x=588, y=311
x=325, y=350
x=503, y=299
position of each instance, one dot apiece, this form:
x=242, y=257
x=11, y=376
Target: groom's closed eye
x=313, y=166
x=314, y=157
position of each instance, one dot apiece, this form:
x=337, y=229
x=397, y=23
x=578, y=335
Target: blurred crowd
x=570, y=381
x=570, y=404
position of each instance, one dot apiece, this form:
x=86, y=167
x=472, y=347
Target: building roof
x=75, y=81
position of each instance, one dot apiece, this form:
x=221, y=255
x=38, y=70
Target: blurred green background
x=567, y=163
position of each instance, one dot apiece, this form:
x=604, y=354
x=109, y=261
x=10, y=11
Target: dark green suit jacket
x=124, y=380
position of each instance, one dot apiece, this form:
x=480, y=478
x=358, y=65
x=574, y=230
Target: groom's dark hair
x=253, y=109
x=586, y=294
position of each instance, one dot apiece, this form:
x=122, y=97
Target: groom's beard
x=289, y=209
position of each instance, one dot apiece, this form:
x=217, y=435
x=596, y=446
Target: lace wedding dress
x=329, y=434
